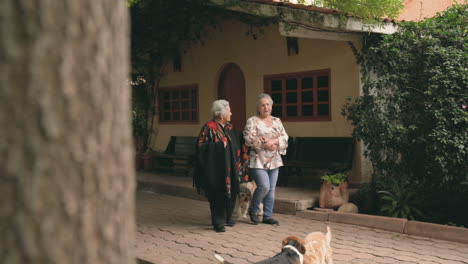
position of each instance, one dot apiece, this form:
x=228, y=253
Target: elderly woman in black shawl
x=219, y=169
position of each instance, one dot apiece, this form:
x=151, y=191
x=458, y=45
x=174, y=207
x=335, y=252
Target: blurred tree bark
x=66, y=156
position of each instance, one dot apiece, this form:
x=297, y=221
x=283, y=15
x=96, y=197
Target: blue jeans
x=265, y=192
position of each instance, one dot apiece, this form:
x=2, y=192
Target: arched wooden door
x=231, y=87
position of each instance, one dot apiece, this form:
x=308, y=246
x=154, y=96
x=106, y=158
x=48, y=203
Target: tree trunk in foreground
x=66, y=156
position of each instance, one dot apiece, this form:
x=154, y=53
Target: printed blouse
x=261, y=158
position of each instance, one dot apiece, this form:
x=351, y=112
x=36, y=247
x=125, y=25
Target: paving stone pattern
x=173, y=230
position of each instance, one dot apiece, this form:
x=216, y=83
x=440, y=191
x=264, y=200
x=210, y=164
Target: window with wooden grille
x=303, y=96
x=178, y=104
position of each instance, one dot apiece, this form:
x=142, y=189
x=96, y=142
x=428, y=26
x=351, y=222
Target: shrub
x=401, y=201
x=412, y=115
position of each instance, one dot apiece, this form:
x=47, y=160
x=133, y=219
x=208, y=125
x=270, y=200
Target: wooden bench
x=322, y=153
x=179, y=155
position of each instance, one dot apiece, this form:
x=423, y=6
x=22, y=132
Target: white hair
x=219, y=108
x=264, y=95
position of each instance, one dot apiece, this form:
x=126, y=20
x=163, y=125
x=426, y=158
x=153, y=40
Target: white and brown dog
x=292, y=253
x=246, y=191
x=318, y=249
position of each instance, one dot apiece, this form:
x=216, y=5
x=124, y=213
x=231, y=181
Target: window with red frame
x=178, y=104
x=303, y=96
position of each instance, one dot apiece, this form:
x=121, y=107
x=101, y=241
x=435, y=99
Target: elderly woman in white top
x=267, y=139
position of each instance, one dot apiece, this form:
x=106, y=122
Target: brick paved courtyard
x=174, y=230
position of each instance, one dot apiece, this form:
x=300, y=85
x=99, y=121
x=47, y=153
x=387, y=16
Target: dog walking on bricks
x=292, y=252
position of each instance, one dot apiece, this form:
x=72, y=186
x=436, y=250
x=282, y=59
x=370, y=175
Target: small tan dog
x=244, y=199
x=318, y=249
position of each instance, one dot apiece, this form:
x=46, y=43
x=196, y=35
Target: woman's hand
x=270, y=144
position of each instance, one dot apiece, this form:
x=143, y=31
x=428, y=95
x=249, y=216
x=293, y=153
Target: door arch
x=231, y=87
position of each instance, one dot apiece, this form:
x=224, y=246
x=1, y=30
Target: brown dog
x=292, y=253
x=318, y=249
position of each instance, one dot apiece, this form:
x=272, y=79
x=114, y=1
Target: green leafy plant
x=367, y=9
x=413, y=115
x=336, y=178
x=400, y=201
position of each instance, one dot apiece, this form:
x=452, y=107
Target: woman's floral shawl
x=221, y=160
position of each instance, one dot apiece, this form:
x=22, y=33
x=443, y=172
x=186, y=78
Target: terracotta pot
x=333, y=196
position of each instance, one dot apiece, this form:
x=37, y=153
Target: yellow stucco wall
x=257, y=58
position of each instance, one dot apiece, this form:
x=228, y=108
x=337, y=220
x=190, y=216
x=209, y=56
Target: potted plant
x=334, y=190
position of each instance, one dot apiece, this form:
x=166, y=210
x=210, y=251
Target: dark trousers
x=221, y=209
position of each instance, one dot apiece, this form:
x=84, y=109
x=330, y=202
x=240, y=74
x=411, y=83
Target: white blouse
x=260, y=158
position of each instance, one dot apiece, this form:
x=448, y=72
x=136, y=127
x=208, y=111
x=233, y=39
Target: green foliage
x=131, y=2
x=401, y=200
x=160, y=32
x=446, y=204
x=412, y=115
x=162, y=29
x=141, y=104
x=366, y=9
x=336, y=178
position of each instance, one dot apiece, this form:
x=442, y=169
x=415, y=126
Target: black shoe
x=219, y=228
x=270, y=221
x=254, y=218
x=230, y=222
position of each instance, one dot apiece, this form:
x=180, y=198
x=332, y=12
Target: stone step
x=288, y=200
